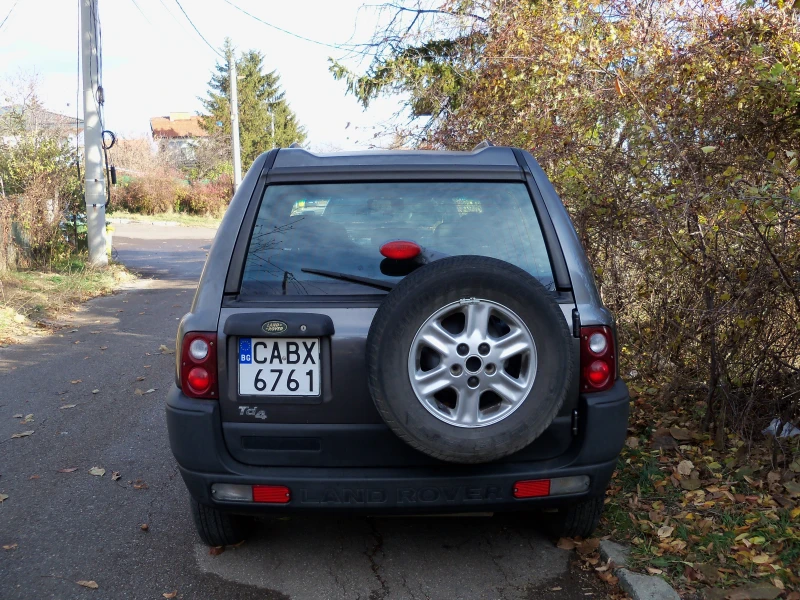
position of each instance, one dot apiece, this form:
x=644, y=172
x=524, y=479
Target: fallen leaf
x=27, y=419
x=22, y=434
x=66, y=406
x=103, y=347
x=146, y=366
x=138, y=392
x=92, y=585
x=665, y=531
x=97, y=471
x=95, y=391
x=115, y=475
x=144, y=527
x=69, y=470
x=654, y=571
x=150, y=391
x=708, y=149
x=632, y=442
x=164, y=350
x=74, y=381
x=171, y=594
x=690, y=484
x=139, y=485
x=140, y=378
x=566, y=544
x=18, y=416
x=216, y=550
x=680, y=434
x=685, y=467
x=35, y=477
x=792, y=487
x=3, y=498
x=10, y=546
x=95, y=332
x=755, y=591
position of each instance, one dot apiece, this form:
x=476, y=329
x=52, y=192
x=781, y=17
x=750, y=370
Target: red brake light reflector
x=532, y=489
x=400, y=249
x=597, y=373
x=271, y=494
x=198, y=380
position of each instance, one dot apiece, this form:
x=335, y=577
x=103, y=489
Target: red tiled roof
x=164, y=127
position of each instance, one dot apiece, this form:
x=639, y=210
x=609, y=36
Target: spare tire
x=469, y=359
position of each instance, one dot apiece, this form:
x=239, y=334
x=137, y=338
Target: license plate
x=279, y=366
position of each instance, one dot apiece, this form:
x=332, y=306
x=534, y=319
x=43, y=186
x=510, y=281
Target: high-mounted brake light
x=598, y=359
x=198, y=368
x=400, y=249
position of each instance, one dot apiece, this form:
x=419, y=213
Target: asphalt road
x=69, y=526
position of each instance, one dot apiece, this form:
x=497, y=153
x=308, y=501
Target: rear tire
x=577, y=520
x=216, y=527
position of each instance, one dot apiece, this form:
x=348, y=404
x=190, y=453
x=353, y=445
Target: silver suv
x=396, y=332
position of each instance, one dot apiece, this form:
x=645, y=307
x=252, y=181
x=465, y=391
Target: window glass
x=340, y=227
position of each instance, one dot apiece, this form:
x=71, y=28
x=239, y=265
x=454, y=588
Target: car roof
x=494, y=156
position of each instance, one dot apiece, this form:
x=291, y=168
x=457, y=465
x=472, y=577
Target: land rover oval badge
x=274, y=327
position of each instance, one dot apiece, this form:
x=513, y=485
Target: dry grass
x=178, y=217
x=31, y=302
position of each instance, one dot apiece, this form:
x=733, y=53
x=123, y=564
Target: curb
x=143, y=222
x=639, y=587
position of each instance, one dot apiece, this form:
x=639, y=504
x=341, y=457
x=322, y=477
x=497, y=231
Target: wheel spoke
x=477, y=315
x=467, y=407
x=508, y=388
x=511, y=344
x=439, y=339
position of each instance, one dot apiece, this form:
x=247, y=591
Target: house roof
x=37, y=117
x=177, y=126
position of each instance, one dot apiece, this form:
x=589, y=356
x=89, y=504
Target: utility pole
x=237, y=156
x=94, y=180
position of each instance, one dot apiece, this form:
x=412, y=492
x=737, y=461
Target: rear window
x=340, y=227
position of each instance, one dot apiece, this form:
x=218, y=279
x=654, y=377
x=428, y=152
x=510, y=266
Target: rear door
x=293, y=382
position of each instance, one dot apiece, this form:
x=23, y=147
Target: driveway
x=96, y=395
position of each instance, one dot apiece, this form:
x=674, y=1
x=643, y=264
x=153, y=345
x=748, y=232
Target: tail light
x=598, y=359
x=199, y=365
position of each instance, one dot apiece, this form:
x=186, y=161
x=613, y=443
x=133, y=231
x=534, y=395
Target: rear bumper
x=196, y=439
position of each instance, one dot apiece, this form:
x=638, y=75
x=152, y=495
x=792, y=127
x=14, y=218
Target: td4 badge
x=252, y=411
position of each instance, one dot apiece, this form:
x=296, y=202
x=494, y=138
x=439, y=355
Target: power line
x=9, y=14
x=136, y=4
x=291, y=33
x=198, y=31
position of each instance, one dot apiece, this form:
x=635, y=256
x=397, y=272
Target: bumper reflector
x=271, y=494
x=532, y=489
x=558, y=486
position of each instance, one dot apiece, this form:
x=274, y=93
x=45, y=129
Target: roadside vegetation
x=179, y=185
x=671, y=131
x=43, y=256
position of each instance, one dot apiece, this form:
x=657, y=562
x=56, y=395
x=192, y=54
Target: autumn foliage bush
x=672, y=132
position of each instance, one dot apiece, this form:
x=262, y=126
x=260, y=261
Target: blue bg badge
x=245, y=351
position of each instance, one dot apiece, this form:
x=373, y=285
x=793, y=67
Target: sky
x=154, y=63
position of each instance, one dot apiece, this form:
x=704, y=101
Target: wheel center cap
x=473, y=364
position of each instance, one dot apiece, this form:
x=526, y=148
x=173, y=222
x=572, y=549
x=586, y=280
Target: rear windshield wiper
x=368, y=281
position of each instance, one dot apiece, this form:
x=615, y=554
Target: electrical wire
x=217, y=52
x=136, y=4
x=9, y=14
x=291, y=33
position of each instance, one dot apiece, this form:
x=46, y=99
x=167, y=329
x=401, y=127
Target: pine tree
x=262, y=106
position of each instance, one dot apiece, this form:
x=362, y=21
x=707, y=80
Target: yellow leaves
x=618, y=86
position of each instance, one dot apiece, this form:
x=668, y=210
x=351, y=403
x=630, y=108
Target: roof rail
x=482, y=145
x=295, y=145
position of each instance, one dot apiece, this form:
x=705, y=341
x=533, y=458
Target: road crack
x=377, y=547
